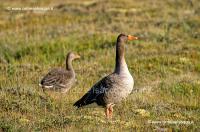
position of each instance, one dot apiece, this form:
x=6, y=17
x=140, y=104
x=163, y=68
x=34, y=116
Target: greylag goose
x=116, y=86
x=59, y=79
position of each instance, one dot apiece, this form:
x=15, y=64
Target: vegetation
x=165, y=63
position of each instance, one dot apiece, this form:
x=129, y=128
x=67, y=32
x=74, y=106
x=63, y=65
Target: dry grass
x=165, y=63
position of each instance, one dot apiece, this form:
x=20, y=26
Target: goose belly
x=121, y=90
x=126, y=87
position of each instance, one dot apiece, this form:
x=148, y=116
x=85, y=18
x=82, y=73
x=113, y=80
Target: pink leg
x=107, y=112
x=110, y=111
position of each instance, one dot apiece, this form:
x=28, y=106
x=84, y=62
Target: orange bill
x=78, y=56
x=130, y=37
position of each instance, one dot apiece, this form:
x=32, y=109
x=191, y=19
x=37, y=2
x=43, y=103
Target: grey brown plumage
x=59, y=79
x=115, y=87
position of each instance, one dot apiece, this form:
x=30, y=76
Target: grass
x=164, y=62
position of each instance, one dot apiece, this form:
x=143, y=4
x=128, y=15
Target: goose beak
x=77, y=56
x=130, y=37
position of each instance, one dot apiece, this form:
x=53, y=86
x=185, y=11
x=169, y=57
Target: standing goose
x=60, y=79
x=115, y=87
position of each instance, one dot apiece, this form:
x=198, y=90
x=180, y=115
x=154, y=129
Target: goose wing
x=57, y=78
x=97, y=92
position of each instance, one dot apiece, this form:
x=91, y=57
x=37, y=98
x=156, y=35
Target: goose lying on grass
x=59, y=79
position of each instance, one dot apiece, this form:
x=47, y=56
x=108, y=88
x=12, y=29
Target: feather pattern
x=109, y=90
x=58, y=79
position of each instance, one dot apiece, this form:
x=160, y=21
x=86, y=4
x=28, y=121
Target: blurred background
x=165, y=62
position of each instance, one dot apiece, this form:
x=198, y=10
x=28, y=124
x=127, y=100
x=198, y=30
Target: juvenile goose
x=115, y=87
x=59, y=79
